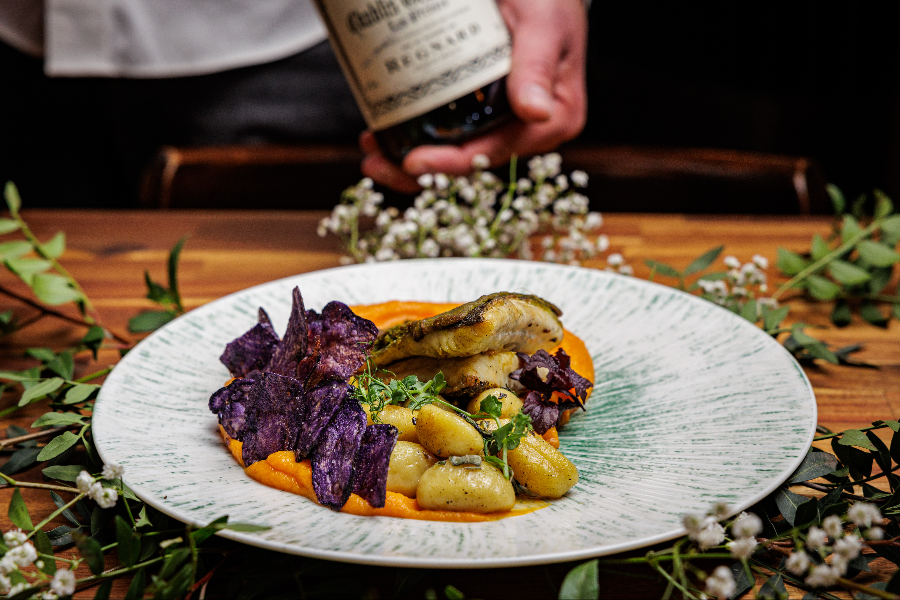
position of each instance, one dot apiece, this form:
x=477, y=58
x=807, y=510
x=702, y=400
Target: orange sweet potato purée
x=282, y=471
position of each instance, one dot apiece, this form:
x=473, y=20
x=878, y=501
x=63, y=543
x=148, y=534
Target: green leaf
x=38, y=391
x=821, y=288
x=54, y=289
x=772, y=317
x=453, y=594
x=137, y=587
x=890, y=231
x=841, y=315
x=20, y=460
x=58, y=445
x=14, y=249
x=662, y=268
x=202, y=534
x=815, y=464
x=816, y=348
x=881, y=276
x=877, y=254
x=883, y=205
x=837, y=198
x=872, y=314
x=748, y=311
x=129, y=548
x=42, y=544
x=8, y=226
x=150, y=320
x=26, y=268
x=790, y=263
x=63, y=472
x=104, y=590
x=173, y=561
x=156, y=292
x=90, y=549
x=847, y=273
x=819, y=248
x=855, y=437
x=57, y=419
x=13, y=201
x=80, y=392
x=582, y=582
x=703, y=261
x=742, y=581
x=142, y=520
x=56, y=246
x=246, y=527
x=174, y=256
x=18, y=512
x=789, y=504
x=849, y=228
x=773, y=588
x=63, y=364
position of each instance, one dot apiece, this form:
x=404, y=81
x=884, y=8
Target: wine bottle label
x=404, y=58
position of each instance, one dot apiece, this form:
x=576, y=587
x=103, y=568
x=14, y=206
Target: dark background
x=798, y=78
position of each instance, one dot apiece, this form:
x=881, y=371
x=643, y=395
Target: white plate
x=692, y=405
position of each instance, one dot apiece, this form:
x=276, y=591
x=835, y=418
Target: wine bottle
x=422, y=71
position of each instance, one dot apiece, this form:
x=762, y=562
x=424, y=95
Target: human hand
x=545, y=86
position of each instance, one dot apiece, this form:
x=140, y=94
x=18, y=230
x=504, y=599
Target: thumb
x=537, y=46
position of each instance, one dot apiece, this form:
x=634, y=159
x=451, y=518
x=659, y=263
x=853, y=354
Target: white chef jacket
x=157, y=38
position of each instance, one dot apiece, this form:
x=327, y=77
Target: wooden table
x=108, y=253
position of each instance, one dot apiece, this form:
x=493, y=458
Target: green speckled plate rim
x=356, y=275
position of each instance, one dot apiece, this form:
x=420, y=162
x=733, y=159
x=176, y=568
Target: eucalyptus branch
x=36, y=486
x=818, y=264
x=39, y=250
x=35, y=435
x=840, y=433
x=48, y=311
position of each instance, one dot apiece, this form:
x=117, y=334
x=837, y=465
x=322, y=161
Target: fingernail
x=537, y=97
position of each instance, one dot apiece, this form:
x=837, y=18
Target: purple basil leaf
x=320, y=405
x=371, y=464
x=274, y=414
x=292, y=348
x=230, y=403
x=332, y=465
x=340, y=339
x=544, y=414
x=251, y=352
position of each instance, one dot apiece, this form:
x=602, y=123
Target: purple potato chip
x=251, y=352
x=263, y=316
x=292, y=348
x=372, y=461
x=274, y=413
x=230, y=403
x=544, y=415
x=320, y=405
x=342, y=340
x=332, y=465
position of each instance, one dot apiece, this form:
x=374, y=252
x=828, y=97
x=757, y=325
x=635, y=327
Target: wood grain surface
x=225, y=251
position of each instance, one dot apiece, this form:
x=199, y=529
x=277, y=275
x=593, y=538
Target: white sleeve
x=171, y=38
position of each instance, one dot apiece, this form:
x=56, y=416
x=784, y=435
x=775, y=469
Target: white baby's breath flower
x=524, y=184
x=848, y=547
x=721, y=583
x=816, y=538
x=112, y=471
x=732, y=262
x=7, y=564
x=602, y=243
x=562, y=182
x=742, y=549
x=14, y=537
x=840, y=564
x=798, y=562
x=747, y=525
x=864, y=514
x=17, y=588
x=579, y=178
x=5, y=584
x=104, y=497
x=833, y=526
x=593, y=220
x=83, y=482
x=615, y=259
x=430, y=248
x=710, y=536
x=626, y=270
x=63, y=583
x=821, y=576
x=22, y=555
x=481, y=161
x=874, y=533
x=426, y=180
x=760, y=261
x=441, y=181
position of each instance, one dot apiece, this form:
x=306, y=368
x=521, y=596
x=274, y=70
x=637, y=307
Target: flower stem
x=33, y=436
x=37, y=486
x=816, y=265
x=852, y=585
x=56, y=512
x=837, y=433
